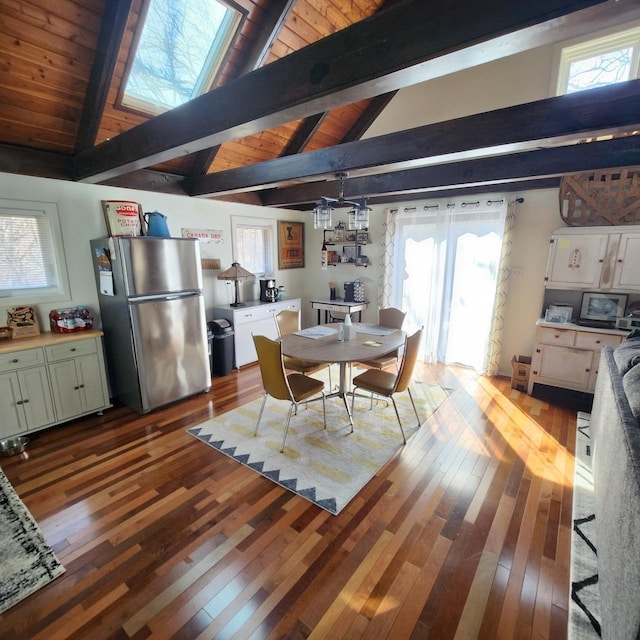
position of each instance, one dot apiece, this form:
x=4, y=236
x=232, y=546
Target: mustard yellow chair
x=387, y=384
x=294, y=387
x=393, y=319
x=288, y=321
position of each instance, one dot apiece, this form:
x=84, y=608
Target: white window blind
x=31, y=261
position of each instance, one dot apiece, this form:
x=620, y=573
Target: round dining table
x=328, y=348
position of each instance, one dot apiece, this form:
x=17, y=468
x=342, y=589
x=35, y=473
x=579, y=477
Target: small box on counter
x=23, y=322
x=70, y=320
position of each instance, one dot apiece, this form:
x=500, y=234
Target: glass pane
x=600, y=70
x=253, y=249
x=179, y=50
x=26, y=254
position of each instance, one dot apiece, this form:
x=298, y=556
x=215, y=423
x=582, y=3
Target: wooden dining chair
x=288, y=321
x=294, y=387
x=387, y=384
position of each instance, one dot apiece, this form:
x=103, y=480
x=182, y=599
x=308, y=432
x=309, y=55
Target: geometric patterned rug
x=584, y=612
x=327, y=467
x=27, y=563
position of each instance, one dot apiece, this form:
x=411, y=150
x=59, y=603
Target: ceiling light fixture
x=358, y=216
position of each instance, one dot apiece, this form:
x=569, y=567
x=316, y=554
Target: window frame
x=592, y=45
x=266, y=224
x=60, y=291
x=207, y=80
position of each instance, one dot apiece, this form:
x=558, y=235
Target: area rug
x=327, y=467
x=27, y=563
x=584, y=613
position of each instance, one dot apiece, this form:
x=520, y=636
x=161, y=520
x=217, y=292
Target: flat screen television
x=602, y=307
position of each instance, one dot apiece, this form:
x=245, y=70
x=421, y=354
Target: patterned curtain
x=387, y=241
x=494, y=345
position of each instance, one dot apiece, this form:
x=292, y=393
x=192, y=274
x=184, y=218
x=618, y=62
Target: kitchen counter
x=7, y=345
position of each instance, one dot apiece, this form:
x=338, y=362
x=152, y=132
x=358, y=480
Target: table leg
x=342, y=391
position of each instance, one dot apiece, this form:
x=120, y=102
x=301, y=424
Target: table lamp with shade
x=236, y=273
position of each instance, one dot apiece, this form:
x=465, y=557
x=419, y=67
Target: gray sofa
x=615, y=432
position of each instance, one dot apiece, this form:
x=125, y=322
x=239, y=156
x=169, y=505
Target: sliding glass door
x=445, y=273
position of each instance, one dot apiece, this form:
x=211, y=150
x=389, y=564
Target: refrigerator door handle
x=165, y=296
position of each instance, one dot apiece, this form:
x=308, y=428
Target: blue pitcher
x=157, y=224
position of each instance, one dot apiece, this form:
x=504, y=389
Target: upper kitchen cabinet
x=592, y=258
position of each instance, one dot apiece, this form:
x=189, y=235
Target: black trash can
x=222, y=347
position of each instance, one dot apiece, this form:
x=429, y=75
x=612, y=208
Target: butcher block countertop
x=7, y=345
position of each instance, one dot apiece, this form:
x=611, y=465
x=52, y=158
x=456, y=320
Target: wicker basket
x=606, y=197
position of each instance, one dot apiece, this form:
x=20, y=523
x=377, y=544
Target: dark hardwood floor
x=465, y=533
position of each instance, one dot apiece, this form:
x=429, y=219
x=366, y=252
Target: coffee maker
x=268, y=290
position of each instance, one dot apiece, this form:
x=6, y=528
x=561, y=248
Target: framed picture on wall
x=290, y=245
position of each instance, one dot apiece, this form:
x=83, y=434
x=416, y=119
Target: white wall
x=81, y=219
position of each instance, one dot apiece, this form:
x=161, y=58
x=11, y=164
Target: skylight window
x=599, y=62
x=181, y=48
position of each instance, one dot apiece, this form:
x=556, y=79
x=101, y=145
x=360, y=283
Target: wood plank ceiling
x=301, y=84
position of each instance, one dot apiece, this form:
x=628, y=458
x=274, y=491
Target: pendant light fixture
x=358, y=215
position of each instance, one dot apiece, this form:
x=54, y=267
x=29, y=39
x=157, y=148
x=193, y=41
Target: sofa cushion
x=631, y=384
x=616, y=470
x=627, y=354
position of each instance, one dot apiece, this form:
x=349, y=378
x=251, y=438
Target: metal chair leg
x=286, y=429
x=404, y=439
x=264, y=401
x=414, y=406
x=324, y=411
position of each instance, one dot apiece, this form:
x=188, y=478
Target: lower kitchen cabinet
x=60, y=378
x=76, y=386
x=568, y=355
x=255, y=318
x=25, y=401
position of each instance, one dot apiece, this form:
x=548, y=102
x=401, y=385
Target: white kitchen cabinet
x=567, y=356
x=77, y=378
x=59, y=378
x=594, y=258
x=255, y=318
x=627, y=272
x=25, y=401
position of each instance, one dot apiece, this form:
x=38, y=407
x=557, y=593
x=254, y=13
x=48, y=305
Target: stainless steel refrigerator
x=153, y=318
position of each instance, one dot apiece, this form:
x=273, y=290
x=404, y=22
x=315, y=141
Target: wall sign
x=206, y=236
x=290, y=245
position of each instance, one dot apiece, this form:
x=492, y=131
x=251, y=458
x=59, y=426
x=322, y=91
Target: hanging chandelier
x=358, y=215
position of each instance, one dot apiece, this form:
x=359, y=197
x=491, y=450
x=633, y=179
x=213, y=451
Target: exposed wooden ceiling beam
x=304, y=134
x=362, y=61
x=368, y=117
x=541, y=163
x=275, y=15
x=112, y=29
x=34, y=162
x=451, y=192
x=605, y=109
